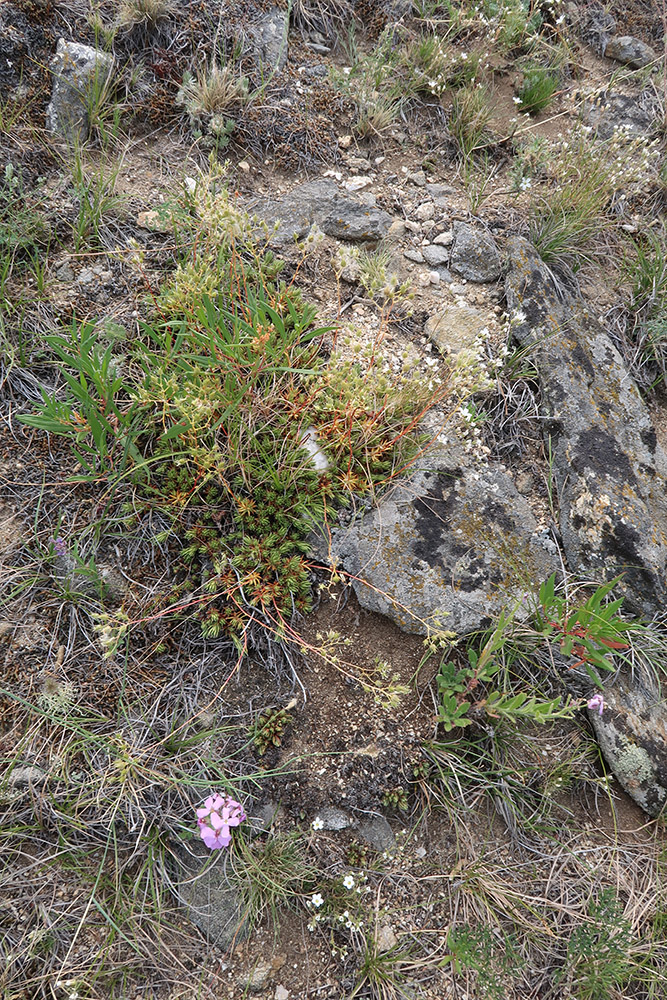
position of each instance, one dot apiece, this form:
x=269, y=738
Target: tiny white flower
x=317, y=899
x=525, y=183
x=517, y=100
x=348, y=881
x=318, y=824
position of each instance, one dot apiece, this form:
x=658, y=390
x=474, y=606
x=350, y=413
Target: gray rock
x=352, y=220
x=630, y=50
x=257, y=978
x=213, y=905
x=611, y=112
x=632, y=733
x=440, y=190
x=321, y=202
x=261, y=818
x=64, y=272
x=26, y=775
x=418, y=178
x=334, y=819
x=416, y=256
x=80, y=74
x=269, y=40
x=447, y=548
x=375, y=830
x=475, y=255
x=607, y=465
x=297, y=210
x=436, y=256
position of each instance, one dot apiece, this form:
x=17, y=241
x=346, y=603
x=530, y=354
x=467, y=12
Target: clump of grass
x=589, y=178
x=23, y=229
x=400, y=67
x=537, y=88
x=144, y=13
x=469, y=119
x=272, y=872
x=330, y=17
x=213, y=90
x=646, y=269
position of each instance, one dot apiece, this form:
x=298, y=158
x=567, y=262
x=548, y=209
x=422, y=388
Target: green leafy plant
x=269, y=729
x=495, y=959
x=396, y=798
x=599, y=950
x=590, y=632
x=465, y=695
x=94, y=413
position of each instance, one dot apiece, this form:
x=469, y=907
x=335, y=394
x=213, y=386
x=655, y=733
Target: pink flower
x=597, y=701
x=216, y=817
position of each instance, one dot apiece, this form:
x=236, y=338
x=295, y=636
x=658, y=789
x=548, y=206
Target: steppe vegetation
x=184, y=406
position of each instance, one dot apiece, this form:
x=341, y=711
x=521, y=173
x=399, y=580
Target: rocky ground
x=453, y=776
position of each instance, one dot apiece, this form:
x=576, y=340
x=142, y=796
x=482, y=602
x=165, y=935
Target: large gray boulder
x=356, y=222
x=450, y=547
x=632, y=733
x=292, y=215
x=609, y=113
x=608, y=468
x=80, y=75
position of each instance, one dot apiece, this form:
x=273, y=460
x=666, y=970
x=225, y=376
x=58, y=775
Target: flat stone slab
x=608, y=468
x=448, y=548
x=321, y=202
x=454, y=329
x=212, y=904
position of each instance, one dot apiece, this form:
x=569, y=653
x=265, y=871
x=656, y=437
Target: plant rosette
x=216, y=818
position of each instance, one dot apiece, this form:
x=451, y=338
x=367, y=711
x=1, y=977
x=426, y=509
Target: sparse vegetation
x=194, y=405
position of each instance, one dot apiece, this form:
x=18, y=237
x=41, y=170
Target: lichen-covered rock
x=607, y=465
x=448, y=548
x=610, y=113
x=475, y=255
x=269, y=39
x=80, y=74
x=630, y=50
x=632, y=733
